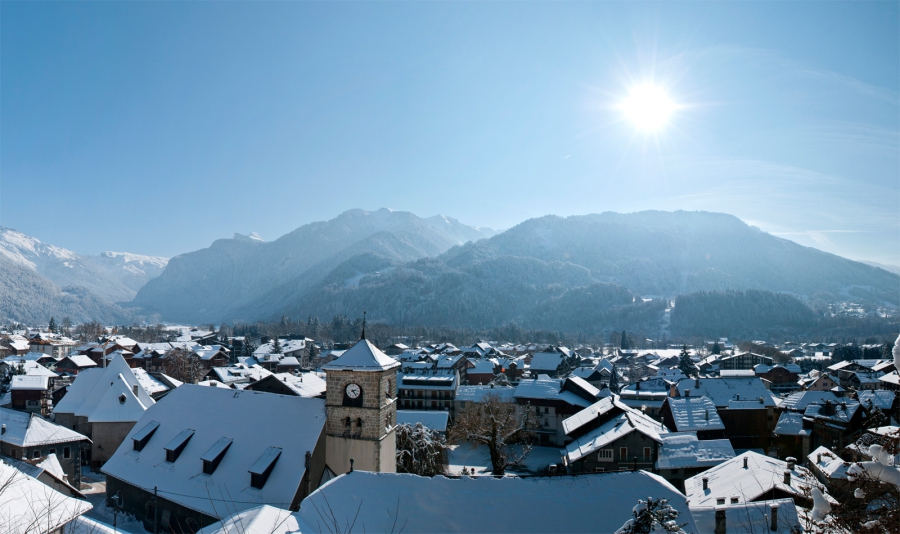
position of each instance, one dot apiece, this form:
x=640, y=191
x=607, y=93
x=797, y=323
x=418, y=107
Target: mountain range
x=39, y=280
x=581, y=273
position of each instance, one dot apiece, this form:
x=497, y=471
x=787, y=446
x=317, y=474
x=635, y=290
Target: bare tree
x=497, y=424
x=182, y=364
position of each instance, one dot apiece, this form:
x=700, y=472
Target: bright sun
x=648, y=107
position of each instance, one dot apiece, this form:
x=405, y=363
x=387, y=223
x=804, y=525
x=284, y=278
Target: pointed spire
x=363, y=335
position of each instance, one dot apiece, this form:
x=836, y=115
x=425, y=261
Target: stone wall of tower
x=373, y=445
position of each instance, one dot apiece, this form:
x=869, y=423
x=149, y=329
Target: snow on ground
x=472, y=458
x=479, y=459
x=96, y=495
x=86, y=525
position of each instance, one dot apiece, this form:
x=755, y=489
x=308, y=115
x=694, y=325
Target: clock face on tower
x=353, y=391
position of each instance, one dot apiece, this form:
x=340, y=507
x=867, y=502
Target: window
x=599, y=469
x=36, y=453
x=261, y=470
x=546, y=410
x=150, y=511
x=52, y=451
x=177, y=445
x=605, y=455
x=734, y=500
x=213, y=457
x=143, y=436
x=720, y=501
x=623, y=454
x=646, y=454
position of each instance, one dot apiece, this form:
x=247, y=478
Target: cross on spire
x=363, y=336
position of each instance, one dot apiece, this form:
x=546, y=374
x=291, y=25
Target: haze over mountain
x=41, y=280
x=234, y=277
x=579, y=272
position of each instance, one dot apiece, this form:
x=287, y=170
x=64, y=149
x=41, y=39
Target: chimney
x=774, y=509
x=787, y=478
x=791, y=462
x=687, y=393
x=2, y=429
x=745, y=462
x=705, y=483
x=637, y=385
x=134, y=389
x=672, y=391
x=844, y=406
x=819, y=458
x=738, y=396
x=707, y=414
x=720, y=521
x=697, y=382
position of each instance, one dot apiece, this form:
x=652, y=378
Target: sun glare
x=648, y=107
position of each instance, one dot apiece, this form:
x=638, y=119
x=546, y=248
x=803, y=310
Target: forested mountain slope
x=244, y=278
x=28, y=297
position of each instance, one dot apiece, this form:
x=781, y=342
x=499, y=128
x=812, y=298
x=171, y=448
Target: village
x=209, y=433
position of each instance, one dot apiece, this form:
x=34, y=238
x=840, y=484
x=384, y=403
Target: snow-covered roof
x=389, y=502
x=828, y=463
x=147, y=381
x=265, y=518
x=477, y=393
x=240, y=373
x=800, y=400
x=548, y=390
x=592, y=412
x=433, y=419
x=255, y=420
x=761, y=475
x=29, y=383
x=723, y=390
x=881, y=398
x=33, y=368
x=91, y=397
x=750, y=517
x=891, y=378
x=791, y=424
x=482, y=367
x=546, y=361
x=363, y=356
x=694, y=413
x=610, y=431
x=288, y=346
x=30, y=430
x=841, y=413
x=679, y=450
x=305, y=385
x=731, y=373
x=289, y=361
x=26, y=503
x=81, y=361
x=207, y=352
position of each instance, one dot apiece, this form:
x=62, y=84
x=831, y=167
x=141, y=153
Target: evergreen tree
x=685, y=364
x=52, y=326
x=716, y=349
x=650, y=514
x=614, y=380
x=623, y=344
x=276, y=346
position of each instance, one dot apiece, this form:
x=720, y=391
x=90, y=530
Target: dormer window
x=261, y=470
x=143, y=436
x=213, y=457
x=177, y=445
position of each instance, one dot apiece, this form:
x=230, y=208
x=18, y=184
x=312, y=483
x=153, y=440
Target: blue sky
x=157, y=127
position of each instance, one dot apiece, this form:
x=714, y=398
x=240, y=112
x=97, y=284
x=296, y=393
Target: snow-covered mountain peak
x=127, y=258
x=252, y=237
x=30, y=251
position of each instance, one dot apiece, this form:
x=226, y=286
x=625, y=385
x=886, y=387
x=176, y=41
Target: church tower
x=361, y=410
